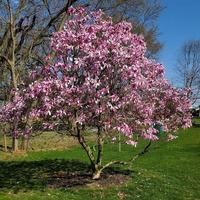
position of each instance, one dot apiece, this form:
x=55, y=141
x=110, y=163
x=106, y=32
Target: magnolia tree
x=101, y=79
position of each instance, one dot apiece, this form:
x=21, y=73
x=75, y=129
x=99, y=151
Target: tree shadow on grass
x=38, y=175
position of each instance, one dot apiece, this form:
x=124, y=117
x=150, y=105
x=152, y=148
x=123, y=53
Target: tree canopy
x=101, y=78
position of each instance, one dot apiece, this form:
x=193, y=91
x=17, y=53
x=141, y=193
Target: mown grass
x=169, y=171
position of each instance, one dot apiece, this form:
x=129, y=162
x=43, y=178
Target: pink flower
x=100, y=77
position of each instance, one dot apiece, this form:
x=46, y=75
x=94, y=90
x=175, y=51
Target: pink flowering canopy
x=100, y=78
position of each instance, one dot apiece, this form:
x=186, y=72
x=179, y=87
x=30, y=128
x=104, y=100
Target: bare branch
x=188, y=67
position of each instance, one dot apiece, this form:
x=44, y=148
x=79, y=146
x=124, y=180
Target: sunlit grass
x=168, y=171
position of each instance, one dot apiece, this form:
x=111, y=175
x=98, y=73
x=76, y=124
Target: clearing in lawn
x=169, y=171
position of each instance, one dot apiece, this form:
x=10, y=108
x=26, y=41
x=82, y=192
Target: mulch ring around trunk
x=78, y=179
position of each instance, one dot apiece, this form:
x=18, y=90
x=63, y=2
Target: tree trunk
x=97, y=168
x=87, y=148
x=119, y=142
x=27, y=143
x=96, y=164
x=14, y=144
x=96, y=174
x=12, y=62
x=100, y=141
x=23, y=144
x=5, y=143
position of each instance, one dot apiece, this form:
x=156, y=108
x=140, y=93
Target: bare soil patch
x=70, y=180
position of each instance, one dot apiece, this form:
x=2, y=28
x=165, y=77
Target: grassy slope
x=169, y=171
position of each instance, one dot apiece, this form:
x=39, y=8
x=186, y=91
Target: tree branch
x=7, y=60
x=145, y=150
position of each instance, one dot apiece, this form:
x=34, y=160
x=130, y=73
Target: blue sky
x=178, y=22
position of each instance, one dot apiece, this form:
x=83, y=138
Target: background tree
x=25, y=30
x=188, y=68
x=143, y=14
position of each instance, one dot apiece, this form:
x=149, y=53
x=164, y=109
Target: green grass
x=170, y=171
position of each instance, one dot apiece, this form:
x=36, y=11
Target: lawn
x=169, y=171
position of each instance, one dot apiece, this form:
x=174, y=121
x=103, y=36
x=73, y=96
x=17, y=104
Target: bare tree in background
x=188, y=68
x=26, y=26
x=143, y=14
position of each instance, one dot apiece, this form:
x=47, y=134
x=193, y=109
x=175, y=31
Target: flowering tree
x=102, y=79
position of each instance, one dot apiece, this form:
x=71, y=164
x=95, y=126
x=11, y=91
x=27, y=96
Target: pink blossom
x=100, y=78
